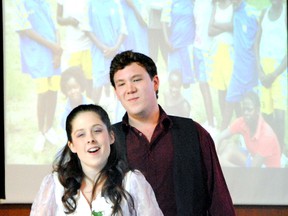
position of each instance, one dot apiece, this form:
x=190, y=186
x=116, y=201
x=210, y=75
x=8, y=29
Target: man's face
x=135, y=89
x=250, y=113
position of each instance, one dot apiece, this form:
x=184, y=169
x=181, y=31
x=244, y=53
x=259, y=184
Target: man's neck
x=146, y=122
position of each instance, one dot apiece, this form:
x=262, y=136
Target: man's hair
x=123, y=59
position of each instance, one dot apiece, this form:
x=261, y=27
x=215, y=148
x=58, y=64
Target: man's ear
x=71, y=146
x=156, y=82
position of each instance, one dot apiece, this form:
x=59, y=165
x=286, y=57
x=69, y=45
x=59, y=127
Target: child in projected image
x=271, y=56
x=179, y=31
x=221, y=28
x=244, y=76
x=261, y=146
x=72, y=17
x=135, y=15
x=201, y=58
x=40, y=58
x=108, y=31
x=72, y=86
x=89, y=178
x=174, y=102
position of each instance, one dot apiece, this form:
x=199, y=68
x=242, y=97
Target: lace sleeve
x=45, y=203
x=143, y=195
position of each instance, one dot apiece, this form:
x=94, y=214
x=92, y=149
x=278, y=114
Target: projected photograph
x=221, y=63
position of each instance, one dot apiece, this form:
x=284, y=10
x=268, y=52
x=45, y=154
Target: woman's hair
x=123, y=59
x=70, y=173
x=72, y=72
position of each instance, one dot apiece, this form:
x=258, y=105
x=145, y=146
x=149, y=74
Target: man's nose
x=130, y=87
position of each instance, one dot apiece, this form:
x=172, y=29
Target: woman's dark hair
x=123, y=59
x=70, y=173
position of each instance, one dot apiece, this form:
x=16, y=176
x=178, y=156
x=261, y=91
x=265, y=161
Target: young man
x=176, y=155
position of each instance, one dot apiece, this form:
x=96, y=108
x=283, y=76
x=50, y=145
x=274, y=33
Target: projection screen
x=26, y=100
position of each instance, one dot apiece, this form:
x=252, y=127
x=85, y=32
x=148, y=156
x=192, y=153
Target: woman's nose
x=90, y=139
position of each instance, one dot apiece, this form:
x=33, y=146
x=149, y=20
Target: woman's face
x=91, y=140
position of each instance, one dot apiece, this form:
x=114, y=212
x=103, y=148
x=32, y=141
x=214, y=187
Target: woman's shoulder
x=134, y=174
x=48, y=179
x=142, y=193
x=134, y=177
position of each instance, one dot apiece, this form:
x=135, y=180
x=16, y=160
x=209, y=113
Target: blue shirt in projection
x=107, y=23
x=179, y=15
x=245, y=30
x=36, y=59
x=137, y=38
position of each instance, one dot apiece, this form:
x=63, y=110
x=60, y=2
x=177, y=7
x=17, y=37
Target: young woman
x=89, y=178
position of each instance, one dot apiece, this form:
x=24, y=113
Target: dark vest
x=189, y=173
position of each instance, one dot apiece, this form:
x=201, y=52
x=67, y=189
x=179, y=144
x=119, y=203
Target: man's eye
x=120, y=84
x=136, y=80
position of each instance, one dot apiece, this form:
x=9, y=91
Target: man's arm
x=220, y=199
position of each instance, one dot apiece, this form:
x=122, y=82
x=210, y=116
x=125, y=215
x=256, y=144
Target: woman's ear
x=71, y=146
x=112, y=137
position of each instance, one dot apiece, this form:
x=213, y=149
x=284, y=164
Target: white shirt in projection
x=74, y=38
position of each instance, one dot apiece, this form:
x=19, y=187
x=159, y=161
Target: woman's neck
x=91, y=187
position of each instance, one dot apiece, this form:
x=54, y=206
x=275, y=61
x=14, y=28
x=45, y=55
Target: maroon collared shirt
x=155, y=160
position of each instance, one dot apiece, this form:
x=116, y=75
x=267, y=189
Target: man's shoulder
x=117, y=127
x=117, y=124
x=183, y=121
x=180, y=118
x=188, y=124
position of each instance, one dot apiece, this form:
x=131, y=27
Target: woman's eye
x=97, y=130
x=80, y=135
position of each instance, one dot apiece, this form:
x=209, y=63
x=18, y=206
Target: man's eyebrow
x=133, y=77
x=119, y=80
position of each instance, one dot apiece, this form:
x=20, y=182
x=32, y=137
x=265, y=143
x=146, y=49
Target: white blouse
x=48, y=199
